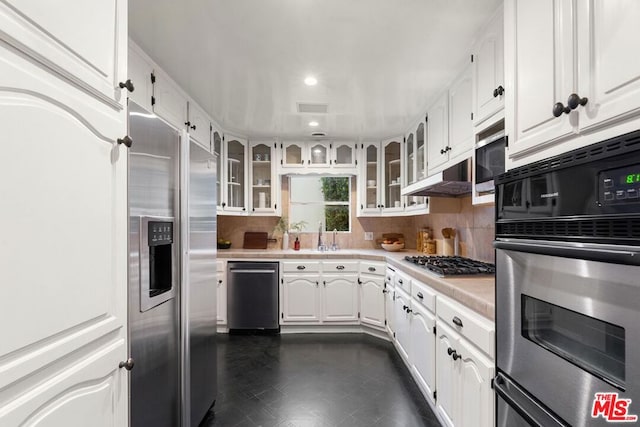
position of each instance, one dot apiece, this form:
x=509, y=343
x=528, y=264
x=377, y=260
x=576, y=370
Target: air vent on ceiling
x=306, y=107
x=319, y=134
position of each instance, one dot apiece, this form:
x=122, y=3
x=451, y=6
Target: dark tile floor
x=348, y=380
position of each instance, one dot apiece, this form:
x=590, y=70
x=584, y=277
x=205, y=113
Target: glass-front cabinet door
x=343, y=154
x=262, y=178
x=217, y=151
x=392, y=174
x=370, y=179
x=318, y=154
x=409, y=160
x=293, y=154
x=236, y=175
x=419, y=165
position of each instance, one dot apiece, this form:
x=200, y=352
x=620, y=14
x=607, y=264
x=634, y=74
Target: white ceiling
x=378, y=62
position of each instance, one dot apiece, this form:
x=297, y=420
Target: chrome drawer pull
x=301, y=267
x=420, y=295
x=457, y=321
x=372, y=269
x=340, y=267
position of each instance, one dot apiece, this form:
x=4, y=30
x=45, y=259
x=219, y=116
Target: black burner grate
x=452, y=265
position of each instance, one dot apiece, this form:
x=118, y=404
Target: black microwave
x=489, y=161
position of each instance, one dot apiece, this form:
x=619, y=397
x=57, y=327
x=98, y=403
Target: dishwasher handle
x=251, y=271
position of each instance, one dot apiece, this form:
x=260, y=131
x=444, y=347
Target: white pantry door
x=63, y=250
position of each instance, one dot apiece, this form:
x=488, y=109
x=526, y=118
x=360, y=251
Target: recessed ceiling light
x=313, y=123
x=310, y=81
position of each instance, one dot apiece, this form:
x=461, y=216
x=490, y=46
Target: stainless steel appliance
x=489, y=160
x=451, y=265
x=568, y=294
x=454, y=181
x=172, y=307
x=253, y=296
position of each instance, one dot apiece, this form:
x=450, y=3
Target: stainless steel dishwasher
x=253, y=296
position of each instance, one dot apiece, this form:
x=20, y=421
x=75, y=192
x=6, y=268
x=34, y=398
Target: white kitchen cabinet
x=460, y=120
x=463, y=379
x=464, y=365
x=392, y=175
x=221, y=273
x=608, y=64
x=416, y=158
x=216, y=142
x=372, y=300
x=140, y=70
x=423, y=348
x=65, y=322
x=402, y=319
x=293, y=155
x=389, y=301
x=235, y=174
x=318, y=154
x=438, y=133
x=370, y=180
x=263, y=183
x=198, y=125
x=339, y=298
x=170, y=102
x=343, y=154
x=571, y=79
x=488, y=70
x=300, y=297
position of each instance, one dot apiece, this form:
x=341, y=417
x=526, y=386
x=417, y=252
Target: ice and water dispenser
x=158, y=261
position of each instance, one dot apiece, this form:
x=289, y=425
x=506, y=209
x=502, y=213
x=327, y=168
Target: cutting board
x=255, y=240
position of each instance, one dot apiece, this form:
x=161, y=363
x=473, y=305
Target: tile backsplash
x=475, y=225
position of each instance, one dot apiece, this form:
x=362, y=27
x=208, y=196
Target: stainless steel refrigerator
x=172, y=283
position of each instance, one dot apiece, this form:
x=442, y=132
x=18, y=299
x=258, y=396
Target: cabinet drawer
x=300, y=266
x=339, y=266
x=423, y=295
x=477, y=329
x=373, y=267
x=389, y=278
x=402, y=281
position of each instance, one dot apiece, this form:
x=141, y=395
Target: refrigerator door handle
x=523, y=404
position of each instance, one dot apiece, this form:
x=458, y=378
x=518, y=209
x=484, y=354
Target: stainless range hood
x=451, y=182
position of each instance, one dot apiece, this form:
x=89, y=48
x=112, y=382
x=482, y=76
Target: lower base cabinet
x=340, y=298
x=402, y=319
x=423, y=349
x=372, y=301
x=463, y=379
x=300, y=299
x=221, y=302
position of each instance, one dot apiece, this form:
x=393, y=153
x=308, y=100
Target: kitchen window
x=316, y=199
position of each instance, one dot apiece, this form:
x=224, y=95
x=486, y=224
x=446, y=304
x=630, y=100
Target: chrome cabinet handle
x=301, y=267
x=339, y=267
x=127, y=364
x=419, y=295
x=457, y=321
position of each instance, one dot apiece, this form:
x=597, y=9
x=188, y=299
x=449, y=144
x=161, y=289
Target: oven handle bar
x=613, y=256
x=534, y=413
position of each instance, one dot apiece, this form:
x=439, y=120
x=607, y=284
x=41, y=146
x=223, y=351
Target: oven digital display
x=620, y=185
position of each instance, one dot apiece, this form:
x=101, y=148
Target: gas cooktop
x=452, y=265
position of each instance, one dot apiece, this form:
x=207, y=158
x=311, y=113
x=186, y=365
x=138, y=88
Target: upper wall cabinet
x=488, y=71
x=264, y=192
x=318, y=157
x=438, y=133
x=550, y=43
x=216, y=140
x=199, y=125
x=392, y=175
x=235, y=174
x=416, y=160
x=460, y=121
x=169, y=102
x=369, y=180
x=140, y=72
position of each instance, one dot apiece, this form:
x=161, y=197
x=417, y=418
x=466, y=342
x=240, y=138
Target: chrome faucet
x=321, y=246
x=334, y=246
